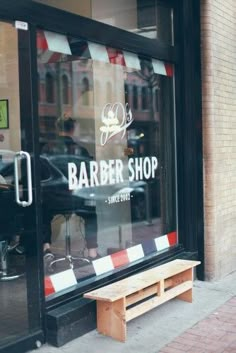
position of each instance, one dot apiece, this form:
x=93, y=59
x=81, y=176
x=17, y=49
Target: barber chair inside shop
x=9, y=230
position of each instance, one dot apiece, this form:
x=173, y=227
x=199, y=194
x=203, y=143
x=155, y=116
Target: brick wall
x=218, y=39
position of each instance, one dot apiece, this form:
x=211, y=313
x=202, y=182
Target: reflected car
x=91, y=198
x=56, y=196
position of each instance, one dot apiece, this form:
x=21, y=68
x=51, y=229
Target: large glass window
x=111, y=189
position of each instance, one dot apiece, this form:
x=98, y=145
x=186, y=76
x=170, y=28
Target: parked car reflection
x=55, y=193
x=90, y=198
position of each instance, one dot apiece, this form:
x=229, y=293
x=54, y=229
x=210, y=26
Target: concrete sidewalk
x=214, y=334
x=174, y=327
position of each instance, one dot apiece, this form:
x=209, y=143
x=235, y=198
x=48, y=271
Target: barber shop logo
x=116, y=118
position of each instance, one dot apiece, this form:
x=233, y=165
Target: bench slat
x=142, y=308
x=141, y=280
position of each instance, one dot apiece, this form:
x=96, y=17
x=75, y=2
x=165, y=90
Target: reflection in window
x=97, y=92
x=126, y=93
x=49, y=83
x=144, y=98
x=65, y=89
x=157, y=100
x=135, y=97
x=109, y=92
x=85, y=91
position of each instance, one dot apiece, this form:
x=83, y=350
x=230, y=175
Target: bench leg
x=187, y=276
x=111, y=319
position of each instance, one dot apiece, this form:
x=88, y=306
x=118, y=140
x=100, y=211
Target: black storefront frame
x=185, y=55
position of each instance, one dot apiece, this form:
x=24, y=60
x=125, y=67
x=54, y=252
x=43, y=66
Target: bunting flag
x=53, y=47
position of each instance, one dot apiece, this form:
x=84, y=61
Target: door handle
x=18, y=155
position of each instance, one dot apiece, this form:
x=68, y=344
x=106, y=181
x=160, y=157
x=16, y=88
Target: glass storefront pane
x=107, y=157
x=143, y=17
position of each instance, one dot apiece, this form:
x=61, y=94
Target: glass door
x=19, y=274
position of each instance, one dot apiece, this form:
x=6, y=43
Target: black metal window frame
x=185, y=55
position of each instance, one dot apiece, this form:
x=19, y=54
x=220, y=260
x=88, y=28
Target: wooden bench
x=126, y=299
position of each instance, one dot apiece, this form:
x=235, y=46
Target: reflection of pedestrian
x=65, y=146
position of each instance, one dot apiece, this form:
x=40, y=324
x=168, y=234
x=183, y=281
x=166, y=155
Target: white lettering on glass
x=110, y=172
x=83, y=177
x=116, y=118
x=72, y=171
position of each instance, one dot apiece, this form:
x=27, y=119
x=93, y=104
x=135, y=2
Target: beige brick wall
x=218, y=40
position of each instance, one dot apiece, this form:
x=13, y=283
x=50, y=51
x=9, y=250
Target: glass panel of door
x=19, y=313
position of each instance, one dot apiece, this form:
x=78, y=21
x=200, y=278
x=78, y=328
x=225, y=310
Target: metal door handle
x=29, y=179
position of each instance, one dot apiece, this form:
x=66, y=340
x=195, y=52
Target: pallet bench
x=122, y=301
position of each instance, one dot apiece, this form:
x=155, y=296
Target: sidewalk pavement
x=208, y=325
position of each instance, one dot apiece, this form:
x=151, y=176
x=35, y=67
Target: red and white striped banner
x=66, y=279
x=55, y=47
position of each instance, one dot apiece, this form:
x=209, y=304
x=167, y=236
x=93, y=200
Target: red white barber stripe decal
x=59, y=281
x=98, y=52
x=135, y=253
x=54, y=47
x=132, y=60
x=162, y=68
x=103, y=265
x=57, y=43
x=124, y=257
x=66, y=279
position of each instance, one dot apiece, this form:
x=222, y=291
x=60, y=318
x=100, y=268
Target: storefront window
x=110, y=200
x=143, y=17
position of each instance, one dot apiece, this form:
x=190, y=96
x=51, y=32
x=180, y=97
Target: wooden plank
x=168, y=283
x=154, y=302
x=111, y=320
x=137, y=282
x=179, y=278
x=160, y=288
x=185, y=276
x=142, y=294
x=186, y=296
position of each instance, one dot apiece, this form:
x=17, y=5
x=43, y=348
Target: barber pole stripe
x=98, y=52
x=66, y=279
x=134, y=253
x=41, y=41
x=120, y=258
x=172, y=238
x=103, y=265
x=53, y=48
x=162, y=68
x=116, y=56
x=59, y=281
x=48, y=286
x=169, y=69
x=162, y=243
x=131, y=60
x=57, y=43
